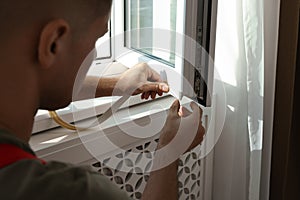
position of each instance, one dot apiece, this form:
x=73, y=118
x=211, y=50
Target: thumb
x=196, y=109
x=175, y=108
x=155, y=87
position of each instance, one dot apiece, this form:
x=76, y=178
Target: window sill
x=83, y=110
x=67, y=146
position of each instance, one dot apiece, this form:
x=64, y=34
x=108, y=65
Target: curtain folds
x=239, y=60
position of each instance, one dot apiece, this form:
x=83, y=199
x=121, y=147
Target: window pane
x=145, y=20
x=103, y=46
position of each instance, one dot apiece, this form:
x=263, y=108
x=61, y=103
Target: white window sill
x=83, y=110
x=63, y=145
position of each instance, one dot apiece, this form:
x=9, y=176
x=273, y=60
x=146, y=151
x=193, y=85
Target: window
x=104, y=47
x=176, y=33
x=143, y=17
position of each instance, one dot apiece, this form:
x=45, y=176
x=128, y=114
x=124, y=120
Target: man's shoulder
x=57, y=180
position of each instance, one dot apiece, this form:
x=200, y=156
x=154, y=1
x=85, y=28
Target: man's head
x=47, y=41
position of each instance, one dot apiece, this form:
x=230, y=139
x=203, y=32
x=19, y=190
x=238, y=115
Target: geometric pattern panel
x=133, y=180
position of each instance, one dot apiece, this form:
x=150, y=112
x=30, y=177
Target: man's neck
x=19, y=129
x=18, y=102
x=17, y=118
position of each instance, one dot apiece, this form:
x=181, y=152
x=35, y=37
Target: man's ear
x=52, y=40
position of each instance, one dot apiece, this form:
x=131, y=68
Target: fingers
x=153, y=95
x=146, y=95
x=154, y=77
x=175, y=108
x=152, y=89
x=155, y=87
x=152, y=85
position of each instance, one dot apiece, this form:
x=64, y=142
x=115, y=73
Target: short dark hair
x=104, y=5
x=17, y=14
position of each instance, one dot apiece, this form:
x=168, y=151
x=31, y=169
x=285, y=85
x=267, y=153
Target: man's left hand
x=141, y=79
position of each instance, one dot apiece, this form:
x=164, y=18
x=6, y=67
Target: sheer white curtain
x=239, y=61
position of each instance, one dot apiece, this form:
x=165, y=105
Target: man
x=43, y=44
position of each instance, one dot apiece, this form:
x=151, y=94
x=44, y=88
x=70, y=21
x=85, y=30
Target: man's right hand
x=180, y=116
x=185, y=129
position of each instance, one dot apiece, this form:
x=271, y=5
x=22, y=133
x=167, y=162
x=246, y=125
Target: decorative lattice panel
x=134, y=180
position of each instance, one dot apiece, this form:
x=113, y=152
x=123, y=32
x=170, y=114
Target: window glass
x=103, y=46
x=145, y=20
